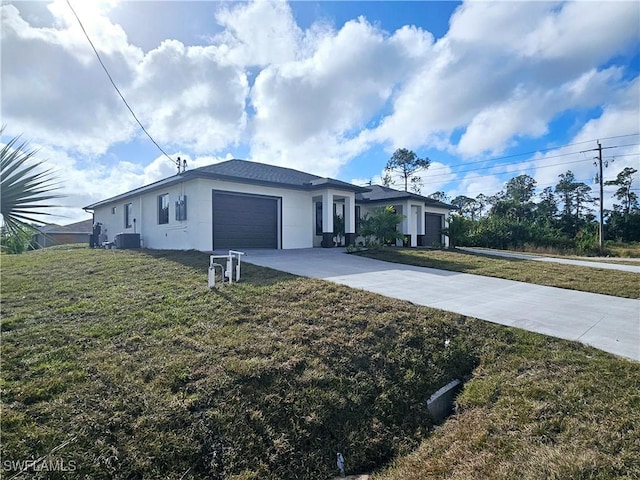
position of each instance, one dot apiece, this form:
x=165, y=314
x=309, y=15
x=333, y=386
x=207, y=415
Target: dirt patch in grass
x=573, y=277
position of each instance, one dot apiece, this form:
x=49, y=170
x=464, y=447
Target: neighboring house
x=424, y=217
x=240, y=205
x=52, y=234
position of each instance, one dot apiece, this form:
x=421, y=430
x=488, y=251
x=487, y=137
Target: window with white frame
x=128, y=215
x=163, y=209
x=181, y=208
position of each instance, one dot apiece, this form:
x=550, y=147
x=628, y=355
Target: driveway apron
x=608, y=323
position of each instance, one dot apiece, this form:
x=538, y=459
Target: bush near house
x=381, y=228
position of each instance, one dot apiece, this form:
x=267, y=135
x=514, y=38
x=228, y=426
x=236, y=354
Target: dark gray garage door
x=433, y=229
x=244, y=221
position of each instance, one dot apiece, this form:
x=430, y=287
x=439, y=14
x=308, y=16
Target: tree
x=624, y=193
x=547, y=209
x=624, y=222
x=565, y=188
x=575, y=198
x=407, y=164
x=482, y=201
x=520, y=189
x=25, y=188
x=382, y=225
x=440, y=196
x=468, y=207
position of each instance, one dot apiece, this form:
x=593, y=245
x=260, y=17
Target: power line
x=114, y=84
x=489, y=167
x=425, y=183
x=501, y=165
x=537, y=151
x=494, y=173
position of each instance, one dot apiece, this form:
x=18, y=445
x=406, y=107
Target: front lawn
x=128, y=357
x=573, y=277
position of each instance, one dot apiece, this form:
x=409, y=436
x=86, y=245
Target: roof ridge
x=253, y=162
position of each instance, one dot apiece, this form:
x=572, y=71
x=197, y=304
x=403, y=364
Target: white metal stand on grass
x=226, y=272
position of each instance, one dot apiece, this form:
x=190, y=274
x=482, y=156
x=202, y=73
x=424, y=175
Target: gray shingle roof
x=381, y=194
x=244, y=171
x=261, y=173
x=85, y=226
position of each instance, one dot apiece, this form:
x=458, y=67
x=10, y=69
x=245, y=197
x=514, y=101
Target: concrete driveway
x=609, y=323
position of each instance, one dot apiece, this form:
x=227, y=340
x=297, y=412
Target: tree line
x=560, y=217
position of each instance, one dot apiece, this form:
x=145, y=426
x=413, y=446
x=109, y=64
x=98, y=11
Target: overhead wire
x=115, y=86
x=428, y=177
x=493, y=159
x=529, y=161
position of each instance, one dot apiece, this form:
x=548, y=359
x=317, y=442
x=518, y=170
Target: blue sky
x=486, y=90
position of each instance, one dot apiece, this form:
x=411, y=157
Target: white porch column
x=327, y=218
x=446, y=225
x=420, y=226
x=406, y=211
x=350, y=219
x=413, y=226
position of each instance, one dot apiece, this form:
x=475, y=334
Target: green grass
x=628, y=250
x=629, y=260
x=149, y=374
x=154, y=375
x=585, y=279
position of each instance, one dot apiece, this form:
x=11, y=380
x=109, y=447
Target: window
x=181, y=208
x=318, y=218
x=128, y=215
x=113, y=210
x=163, y=209
x=358, y=219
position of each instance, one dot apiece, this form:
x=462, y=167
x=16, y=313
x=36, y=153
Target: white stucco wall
x=297, y=221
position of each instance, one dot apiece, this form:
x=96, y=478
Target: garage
x=433, y=224
x=244, y=221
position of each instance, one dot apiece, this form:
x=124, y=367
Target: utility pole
x=601, y=181
x=601, y=184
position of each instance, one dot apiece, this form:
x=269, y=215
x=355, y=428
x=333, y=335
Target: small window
x=128, y=215
x=113, y=210
x=181, y=208
x=358, y=219
x=163, y=209
x=319, y=218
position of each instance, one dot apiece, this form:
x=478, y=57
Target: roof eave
x=193, y=174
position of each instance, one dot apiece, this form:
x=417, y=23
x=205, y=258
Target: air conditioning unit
x=127, y=240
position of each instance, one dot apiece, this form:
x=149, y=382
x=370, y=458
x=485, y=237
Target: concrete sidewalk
x=609, y=323
x=541, y=258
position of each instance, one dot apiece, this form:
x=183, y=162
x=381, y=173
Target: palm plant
x=25, y=188
x=382, y=225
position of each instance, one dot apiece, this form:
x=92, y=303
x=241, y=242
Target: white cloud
x=190, y=97
x=259, y=33
x=485, y=70
x=51, y=90
x=321, y=101
x=314, y=98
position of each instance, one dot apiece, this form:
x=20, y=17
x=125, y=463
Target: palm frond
x=25, y=187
